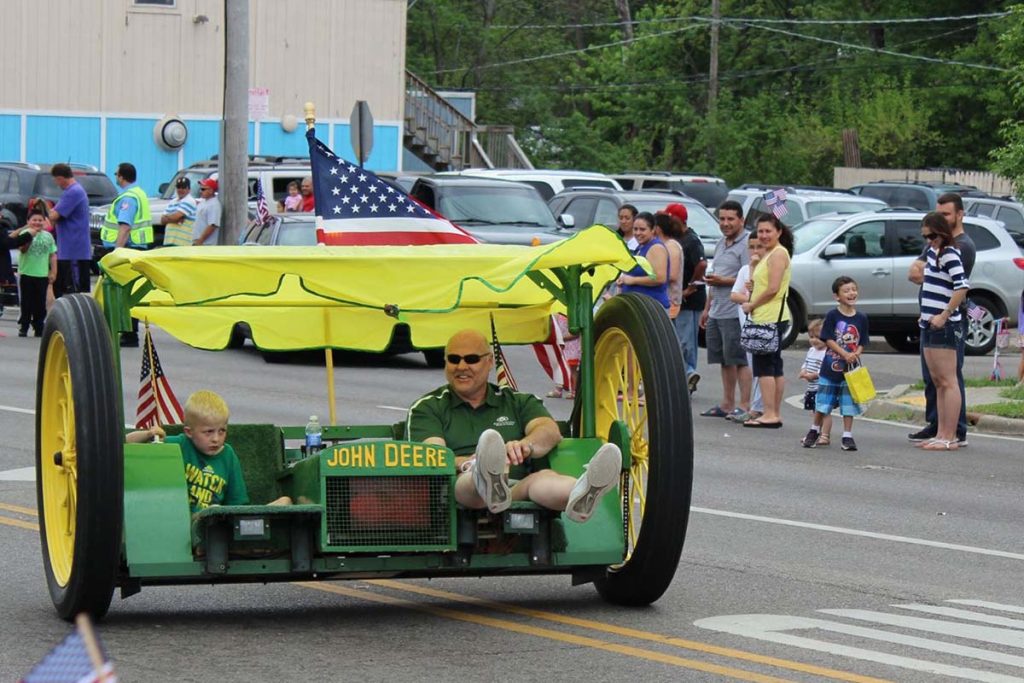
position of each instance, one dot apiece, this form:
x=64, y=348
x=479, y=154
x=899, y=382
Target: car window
x=425, y=194
x=979, y=209
x=14, y=186
x=1011, y=218
x=908, y=238
x=98, y=188
x=864, y=240
x=494, y=205
x=708, y=194
x=279, y=185
x=545, y=190
x=582, y=209
x=656, y=184
x=586, y=182
x=607, y=213
x=46, y=185
x=809, y=233
x=5, y=177
x=794, y=212
x=302, y=234
x=983, y=239
x=838, y=206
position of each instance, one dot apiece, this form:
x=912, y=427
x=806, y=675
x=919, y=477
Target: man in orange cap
x=206, y=229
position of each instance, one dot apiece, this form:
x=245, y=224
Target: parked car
x=496, y=211
x=906, y=194
x=802, y=204
x=709, y=190
x=274, y=173
x=19, y=182
x=877, y=249
x=1003, y=209
x=548, y=182
x=581, y=208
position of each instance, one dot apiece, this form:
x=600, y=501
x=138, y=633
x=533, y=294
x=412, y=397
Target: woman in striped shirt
x=944, y=289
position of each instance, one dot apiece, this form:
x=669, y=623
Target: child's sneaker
x=849, y=444
x=489, y=474
x=811, y=440
x=599, y=477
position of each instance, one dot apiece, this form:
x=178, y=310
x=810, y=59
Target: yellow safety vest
x=141, y=233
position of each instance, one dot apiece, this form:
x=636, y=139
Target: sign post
x=361, y=130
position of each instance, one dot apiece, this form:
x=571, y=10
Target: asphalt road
x=885, y=563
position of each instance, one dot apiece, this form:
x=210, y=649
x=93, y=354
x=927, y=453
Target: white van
x=548, y=182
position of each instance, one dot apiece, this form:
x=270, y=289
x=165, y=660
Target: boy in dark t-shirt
x=845, y=333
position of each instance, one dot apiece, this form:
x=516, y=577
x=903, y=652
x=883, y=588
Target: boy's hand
x=156, y=432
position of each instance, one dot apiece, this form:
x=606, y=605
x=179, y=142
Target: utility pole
x=233, y=171
x=716, y=18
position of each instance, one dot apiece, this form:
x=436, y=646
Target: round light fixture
x=170, y=133
x=289, y=123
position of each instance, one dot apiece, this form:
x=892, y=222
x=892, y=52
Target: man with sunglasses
x=491, y=429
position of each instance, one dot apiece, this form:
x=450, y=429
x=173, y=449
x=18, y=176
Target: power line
x=749, y=20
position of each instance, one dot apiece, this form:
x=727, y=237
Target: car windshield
x=839, y=206
x=297, y=234
x=493, y=206
x=810, y=233
x=698, y=219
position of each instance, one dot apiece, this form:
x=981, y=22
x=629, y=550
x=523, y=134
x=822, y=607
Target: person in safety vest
x=128, y=223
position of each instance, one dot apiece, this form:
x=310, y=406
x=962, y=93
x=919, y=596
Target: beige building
x=88, y=81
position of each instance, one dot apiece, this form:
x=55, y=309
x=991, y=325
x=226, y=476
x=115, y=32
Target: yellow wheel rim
x=618, y=395
x=58, y=459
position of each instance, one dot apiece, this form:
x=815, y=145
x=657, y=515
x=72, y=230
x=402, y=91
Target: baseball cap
x=183, y=182
x=676, y=211
x=212, y=184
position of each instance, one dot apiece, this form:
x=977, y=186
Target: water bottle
x=314, y=436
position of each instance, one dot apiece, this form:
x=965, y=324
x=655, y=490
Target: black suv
x=20, y=182
x=922, y=196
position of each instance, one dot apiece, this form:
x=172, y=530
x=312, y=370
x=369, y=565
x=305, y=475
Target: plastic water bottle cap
x=313, y=418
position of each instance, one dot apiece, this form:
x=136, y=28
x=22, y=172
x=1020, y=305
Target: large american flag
x=776, y=201
x=355, y=207
x=70, y=662
x=157, y=403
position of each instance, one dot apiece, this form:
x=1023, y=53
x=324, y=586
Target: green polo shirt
x=442, y=413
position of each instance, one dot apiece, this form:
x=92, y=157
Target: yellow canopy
x=352, y=297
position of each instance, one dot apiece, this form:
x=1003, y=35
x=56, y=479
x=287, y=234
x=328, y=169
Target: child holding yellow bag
x=845, y=333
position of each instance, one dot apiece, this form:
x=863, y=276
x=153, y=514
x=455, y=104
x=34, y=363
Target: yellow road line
x=584, y=641
x=19, y=523
x=630, y=632
x=18, y=508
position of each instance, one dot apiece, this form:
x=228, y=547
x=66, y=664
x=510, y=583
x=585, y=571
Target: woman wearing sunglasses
x=944, y=289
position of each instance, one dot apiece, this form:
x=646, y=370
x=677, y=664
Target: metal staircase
x=447, y=140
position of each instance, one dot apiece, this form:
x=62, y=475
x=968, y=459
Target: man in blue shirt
x=71, y=218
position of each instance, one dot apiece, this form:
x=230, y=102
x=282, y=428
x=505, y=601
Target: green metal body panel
x=156, y=512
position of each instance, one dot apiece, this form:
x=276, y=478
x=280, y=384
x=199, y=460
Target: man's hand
x=518, y=451
x=703, y=322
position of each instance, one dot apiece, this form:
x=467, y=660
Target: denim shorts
x=950, y=336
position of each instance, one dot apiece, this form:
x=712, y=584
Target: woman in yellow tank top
x=767, y=302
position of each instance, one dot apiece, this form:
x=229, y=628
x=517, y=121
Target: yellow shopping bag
x=862, y=389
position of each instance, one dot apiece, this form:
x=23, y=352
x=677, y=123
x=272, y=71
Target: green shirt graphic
x=212, y=480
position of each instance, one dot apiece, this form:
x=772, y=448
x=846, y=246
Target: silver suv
x=876, y=249
x=805, y=203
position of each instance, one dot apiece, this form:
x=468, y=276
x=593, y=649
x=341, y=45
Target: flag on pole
x=552, y=359
x=502, y=374
x=974, y=311
x=776, y=201
x=354, y=207
x=262, y=212
x=79, y=658
x=157, y=403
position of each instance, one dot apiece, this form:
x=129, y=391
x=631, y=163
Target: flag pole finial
x=309, y=109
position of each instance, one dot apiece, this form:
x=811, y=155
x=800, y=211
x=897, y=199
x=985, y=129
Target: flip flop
x=714, y=412
x=940, y=445
x=757, y=424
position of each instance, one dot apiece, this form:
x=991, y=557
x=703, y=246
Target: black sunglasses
x=470, y=358
x=930, y=236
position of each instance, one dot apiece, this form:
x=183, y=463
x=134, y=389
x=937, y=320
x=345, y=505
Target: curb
x=887, y=409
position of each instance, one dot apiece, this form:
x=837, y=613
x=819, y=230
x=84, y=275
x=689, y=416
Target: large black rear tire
x=79, y=458
x=635, y=346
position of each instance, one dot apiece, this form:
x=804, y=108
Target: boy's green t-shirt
x=35, y=261
x=212, y=480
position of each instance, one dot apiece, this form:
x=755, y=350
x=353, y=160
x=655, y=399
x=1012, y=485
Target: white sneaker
x=599, y=477
x=489, y=475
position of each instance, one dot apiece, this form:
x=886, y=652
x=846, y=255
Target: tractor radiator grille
x=388, y=512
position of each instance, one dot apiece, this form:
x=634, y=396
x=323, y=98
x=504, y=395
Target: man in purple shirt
x=71, y=217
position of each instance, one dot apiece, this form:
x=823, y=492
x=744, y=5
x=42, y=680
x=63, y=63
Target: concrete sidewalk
x=901, y=403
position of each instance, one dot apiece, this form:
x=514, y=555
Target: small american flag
x=157, y=403
x=262, y=212
x=974, y=311
x=502, y=374
x=776, y=201
x=72, y=662
x=354, y=207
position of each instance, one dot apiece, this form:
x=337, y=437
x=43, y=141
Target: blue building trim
x=80, y=139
